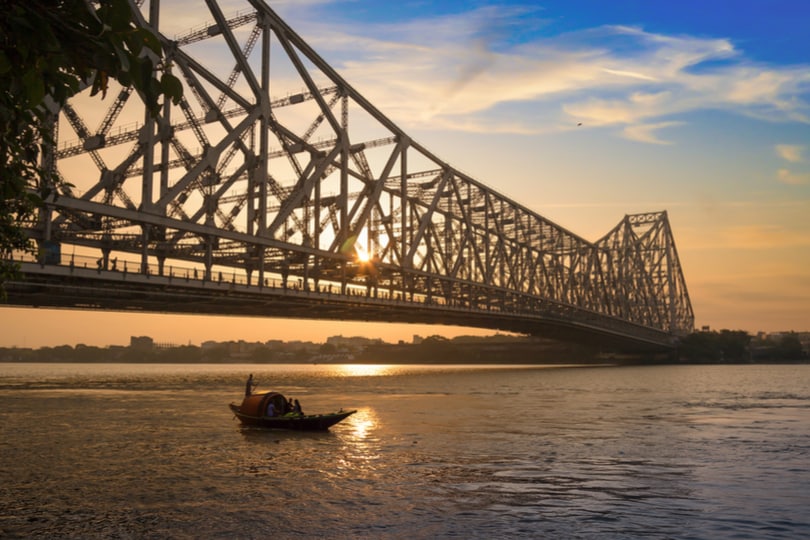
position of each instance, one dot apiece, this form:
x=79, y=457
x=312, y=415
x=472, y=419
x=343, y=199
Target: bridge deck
x=60, y=286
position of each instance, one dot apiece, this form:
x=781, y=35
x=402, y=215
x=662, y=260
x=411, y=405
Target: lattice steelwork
x=642, y=273
x=274, y=167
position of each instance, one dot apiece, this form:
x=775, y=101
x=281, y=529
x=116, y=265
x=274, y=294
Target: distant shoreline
x=720, y=348
x=430, y=363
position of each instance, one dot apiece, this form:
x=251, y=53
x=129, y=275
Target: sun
x=361, y=248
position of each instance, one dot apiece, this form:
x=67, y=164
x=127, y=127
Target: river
x=152, y=451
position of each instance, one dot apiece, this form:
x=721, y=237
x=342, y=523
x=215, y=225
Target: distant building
x=352, y=343
x=141, y=343
x=208, y=345
x=804, y=339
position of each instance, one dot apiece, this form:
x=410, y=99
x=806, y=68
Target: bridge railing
x=515, y=307
x=222, y=276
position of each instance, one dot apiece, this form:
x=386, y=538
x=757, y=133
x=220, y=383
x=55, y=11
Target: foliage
x=790, y=347
x=49, y=51
x=711, y=347
x=787, y=347
x=734, y=346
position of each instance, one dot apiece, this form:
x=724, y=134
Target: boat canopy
x=256, y=404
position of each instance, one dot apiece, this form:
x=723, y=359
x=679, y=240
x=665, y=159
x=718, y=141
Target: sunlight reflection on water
x=362, y=422
x=364, y=370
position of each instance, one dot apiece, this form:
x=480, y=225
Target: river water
x=152, y=451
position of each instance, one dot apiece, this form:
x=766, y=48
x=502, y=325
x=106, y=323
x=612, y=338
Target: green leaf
x=5, y=63
x=115, y=15
x=136, y=73
x=150, y=40
x=171, y=87
x=123, y=58
x=133, y=42
x=125, y=78
x=34, y=88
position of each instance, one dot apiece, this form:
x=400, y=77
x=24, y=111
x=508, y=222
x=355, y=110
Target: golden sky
x=582, y=115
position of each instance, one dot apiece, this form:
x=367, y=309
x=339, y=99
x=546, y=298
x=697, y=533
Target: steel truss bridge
x=274, y=188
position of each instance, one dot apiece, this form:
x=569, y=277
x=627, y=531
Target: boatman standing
x=249, y=386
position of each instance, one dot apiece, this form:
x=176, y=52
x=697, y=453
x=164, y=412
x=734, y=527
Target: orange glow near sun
x=361, y=247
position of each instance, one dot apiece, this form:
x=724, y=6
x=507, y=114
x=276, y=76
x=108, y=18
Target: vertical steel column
x=148, y=140
x=344, y=186
x=405, y=226
x=48, y=161
x=262, y=167
x=669, y=247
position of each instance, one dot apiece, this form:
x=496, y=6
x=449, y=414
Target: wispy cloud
x=457, y=72
x=746, y=237
x=790, y=152
x=467, y=72
x=764, y=236
x=647, y=132
x=791, y=178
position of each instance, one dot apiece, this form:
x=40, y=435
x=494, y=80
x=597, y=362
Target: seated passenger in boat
x=271, y=409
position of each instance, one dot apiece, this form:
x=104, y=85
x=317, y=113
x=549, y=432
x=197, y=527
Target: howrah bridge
x=275, y=189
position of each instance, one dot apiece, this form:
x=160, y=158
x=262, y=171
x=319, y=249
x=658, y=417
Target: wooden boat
x=253, y=412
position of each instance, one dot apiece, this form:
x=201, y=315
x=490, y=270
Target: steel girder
x=283, y=170
x=643, y=275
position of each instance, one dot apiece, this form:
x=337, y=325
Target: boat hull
x=311, y=422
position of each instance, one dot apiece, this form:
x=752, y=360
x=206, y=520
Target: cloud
x=630, y=74
x=735, y=240
x=459, y=71
x=629, y=110
x=790, y=152
x=790, y=178
x=765, y=236
x=467, y=71
x=748, y=237
x=646, y=132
